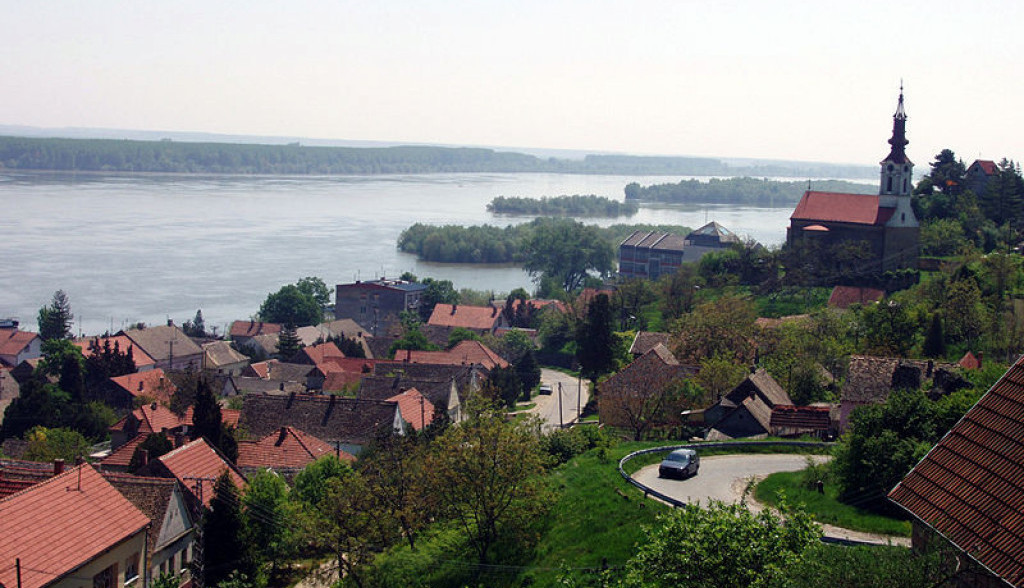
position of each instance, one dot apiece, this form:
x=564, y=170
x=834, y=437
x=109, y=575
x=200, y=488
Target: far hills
x=225, y=154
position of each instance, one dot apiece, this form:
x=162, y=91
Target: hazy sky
x=814, y=80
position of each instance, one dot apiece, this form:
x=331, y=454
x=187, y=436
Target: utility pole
x=561, y=424
x=579, y=398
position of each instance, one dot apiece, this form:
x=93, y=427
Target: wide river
x=149, y=248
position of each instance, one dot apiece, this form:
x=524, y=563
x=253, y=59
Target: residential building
x=151, y=385
x=639, y=396
x=968, y=492
x=377, y=303
x=979, y=174
x=870, y=380
x=746, y=411
x=645, y=341
x=18, y=346
x=120, y=344
x=652, y=254
x=285, y=451
x=464, y=353
x=72, y=530
x=482, y=320
x=168, y=345
x=798, y=421
x=220, y=358
x=415, y=408
x=885, y=223
x=196, y=465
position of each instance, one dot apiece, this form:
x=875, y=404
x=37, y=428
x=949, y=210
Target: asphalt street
x=573, y=394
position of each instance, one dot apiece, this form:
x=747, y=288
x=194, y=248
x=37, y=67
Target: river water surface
x=149, y=248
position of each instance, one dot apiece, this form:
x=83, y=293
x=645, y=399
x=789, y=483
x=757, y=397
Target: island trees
x=567, y=251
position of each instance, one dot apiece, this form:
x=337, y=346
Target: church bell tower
x=897, y=172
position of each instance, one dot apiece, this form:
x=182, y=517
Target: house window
x=131, y=569
x=106, y=578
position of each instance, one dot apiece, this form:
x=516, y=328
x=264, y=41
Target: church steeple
x=897, y=169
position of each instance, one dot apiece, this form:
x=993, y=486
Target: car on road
x=544, y=389
x=681, y=463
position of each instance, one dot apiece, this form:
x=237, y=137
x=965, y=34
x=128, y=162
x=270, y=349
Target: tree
x=288, y=342
x=723, y=326
x=291, y=305
x=963, y=311
x=155, y=445
x=719, y=374
x=934, y=340
x=889, y=328
x=640, y=408
x=460, y=334
x=503, y=384
x=208, y=423
x=528, y=370
x=396, y=475
x=595, y=340
x=267, y=519
x=50, y=444
x=490, y=469
x=56, y=319
x=721, y=545
x=679, y=291
x=567, y=251
x=316, y=289
x=437, y=292
x=106, y=361
x=350, y=346
x=628, y=301
x=195, y=327
x=347, y=523
x=224, y=547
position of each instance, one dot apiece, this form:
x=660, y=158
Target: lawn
x=826, y=508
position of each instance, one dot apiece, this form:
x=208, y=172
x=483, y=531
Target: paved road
x=573, y=393
x=726, y=477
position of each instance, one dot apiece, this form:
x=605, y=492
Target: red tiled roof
x=288, y=448
x=58, y=525
x=199, y=460
x=987, y=165
x=123, y=343
x=465, y=353
x=318, y=354
x=801, y=417
x=469, y=317
x=253, y=328
x=337, y=381
x=17, y=475
x=861, y=209
x=13, y=341
x=260, y=369
x=844, y=296
x=970, y=486
x=969, y=361
x=152, y=383
x=121, y=457
x=415, y=408
x=155, y=417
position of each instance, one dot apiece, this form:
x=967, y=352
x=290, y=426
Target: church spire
x=899, y=134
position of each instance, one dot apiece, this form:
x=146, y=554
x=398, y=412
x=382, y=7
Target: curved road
x=573, y=392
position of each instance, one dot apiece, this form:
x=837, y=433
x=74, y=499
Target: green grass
x=792, y=301
x=590, y=521
x=826, y=508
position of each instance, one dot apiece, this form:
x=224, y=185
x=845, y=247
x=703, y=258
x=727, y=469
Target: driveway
x=573, y=394
x=726, y=478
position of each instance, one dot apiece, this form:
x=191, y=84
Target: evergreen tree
x=206, y=417
x=56, y=319
x=288, y=342
x=195, y=327
x=225, y=550
x=106, y=361
x=595, y=341
x=934, y=340
x=528, y=370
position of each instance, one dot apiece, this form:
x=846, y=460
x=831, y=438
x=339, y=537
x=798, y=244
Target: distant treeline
x=738, y=191
x=575, y=205
x=493, y=244
x=108, y=155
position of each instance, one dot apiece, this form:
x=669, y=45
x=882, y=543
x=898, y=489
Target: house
x=638, y=396
x=482, y=320
x=415, y=408
x=644, y=341
x=968, y=491
x=171, y=536
x=341, y=328
x=652, y=254
x=244, y=385
x=348, y=424
x=317, y=354
x=870, y=380
x=220, y=358
x=120, y=344
x=885, y=222
x=285, y=451
x=242, y=332
x=120, y=458
x=464, y=353
x=439, y=384
x=746, y=411
x=979, y=174
x=151, y=385
x=148, y=418
x=18, y=346
x=796, y=421
x=9, y=389
x=168, y=345
x=970, y=361
x=377, y=303
x=843, y=297
x=196, y=465
x=70, y=530
x=17, y=475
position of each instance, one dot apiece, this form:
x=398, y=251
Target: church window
x=890, y=168
x=904, y=184
x=889, y=188
x=903, y=217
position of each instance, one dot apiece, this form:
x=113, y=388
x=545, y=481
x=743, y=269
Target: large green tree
x=595, y=339
x=56, y=319
x=291, y=305
x=568, y=251
x=225, y=550
x=268, y=519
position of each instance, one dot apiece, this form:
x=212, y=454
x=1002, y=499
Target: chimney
x=281, y=387
x=408, y=355
x=143, y=457
x=281, y=436
x=170, y=322
x=58, y=467
x=79, y=460
x=179, y=439
x=151, y=406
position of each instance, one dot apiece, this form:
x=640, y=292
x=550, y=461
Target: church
x=884, y=223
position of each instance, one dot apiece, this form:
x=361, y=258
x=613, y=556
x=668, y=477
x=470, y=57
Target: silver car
x=681, y=463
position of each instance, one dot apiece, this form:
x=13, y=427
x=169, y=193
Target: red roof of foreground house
x=861, y=209
x=970, y=362
x=287, y=448
x=58, y=525
x=970, y=486
x=152, y=384
x=844, y=296
x=123, y=344
x=468, y=317
x=253, y=328
x=199, y=460
x=415, y=408
x=465, y=353
x=16, y=474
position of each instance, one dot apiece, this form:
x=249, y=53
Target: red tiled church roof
x=58, y=525
x=970, y=486
x=861, y=209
